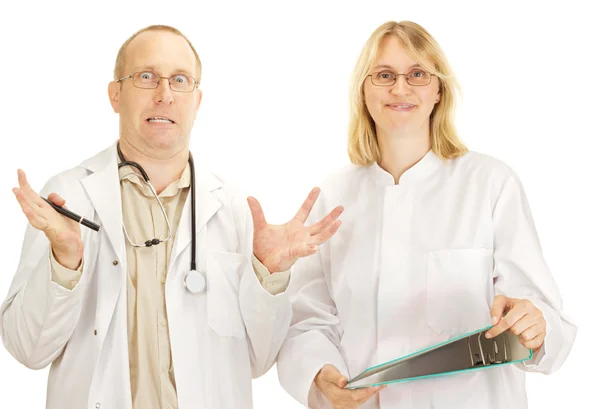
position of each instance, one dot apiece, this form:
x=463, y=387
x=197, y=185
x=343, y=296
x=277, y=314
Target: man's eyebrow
x=152, y=68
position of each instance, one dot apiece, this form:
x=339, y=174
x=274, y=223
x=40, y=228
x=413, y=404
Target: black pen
x=73, y=216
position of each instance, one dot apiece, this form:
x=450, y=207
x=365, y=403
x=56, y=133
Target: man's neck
x=162, y=171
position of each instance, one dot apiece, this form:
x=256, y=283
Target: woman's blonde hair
x=363, y=148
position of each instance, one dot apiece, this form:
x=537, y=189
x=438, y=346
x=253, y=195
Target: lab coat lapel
x=207, y=204
x=103, y=189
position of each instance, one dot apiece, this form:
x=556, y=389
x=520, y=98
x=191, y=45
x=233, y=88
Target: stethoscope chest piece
x=195, y=282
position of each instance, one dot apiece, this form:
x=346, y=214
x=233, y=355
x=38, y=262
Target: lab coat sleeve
x=266, y=316
x=520, y=271
x=38, y=315
x=314, y=336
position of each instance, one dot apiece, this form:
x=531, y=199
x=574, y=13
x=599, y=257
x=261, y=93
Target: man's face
x=156, y=120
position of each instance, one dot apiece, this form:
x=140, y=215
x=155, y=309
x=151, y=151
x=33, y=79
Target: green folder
x=465, y=353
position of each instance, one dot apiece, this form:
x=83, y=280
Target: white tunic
x=413, y=265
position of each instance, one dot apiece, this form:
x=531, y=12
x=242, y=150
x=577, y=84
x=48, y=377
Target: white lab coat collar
x=424, y=168
x=103, y=188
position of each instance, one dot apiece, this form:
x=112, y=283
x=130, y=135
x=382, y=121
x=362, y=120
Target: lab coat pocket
x=223, y=283
x=458, y=283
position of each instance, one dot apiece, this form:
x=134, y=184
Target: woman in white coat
x=435, y=241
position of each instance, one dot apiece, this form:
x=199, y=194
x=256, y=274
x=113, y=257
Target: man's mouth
x=160, y=120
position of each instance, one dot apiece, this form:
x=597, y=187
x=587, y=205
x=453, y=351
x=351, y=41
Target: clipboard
x=465, y=353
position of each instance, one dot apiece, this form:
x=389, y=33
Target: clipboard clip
x=488, y=351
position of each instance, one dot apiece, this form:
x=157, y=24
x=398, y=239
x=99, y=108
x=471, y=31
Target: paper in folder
x=468, y=352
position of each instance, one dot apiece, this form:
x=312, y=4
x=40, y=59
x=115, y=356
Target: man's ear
x=114, y=93
x=198, y=101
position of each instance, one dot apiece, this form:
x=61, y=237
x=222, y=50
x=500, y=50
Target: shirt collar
x=131, y=174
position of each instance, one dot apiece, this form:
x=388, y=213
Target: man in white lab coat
x=117, y=321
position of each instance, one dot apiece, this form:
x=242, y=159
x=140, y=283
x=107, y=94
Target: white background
x=274, y=116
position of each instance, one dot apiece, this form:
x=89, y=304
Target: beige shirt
x=153, y=384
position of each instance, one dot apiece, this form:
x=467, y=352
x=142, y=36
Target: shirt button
x=73, y=283
x=163, y=279
x=164, y=323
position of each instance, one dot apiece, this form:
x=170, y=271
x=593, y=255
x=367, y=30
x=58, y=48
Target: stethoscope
x=194, y=281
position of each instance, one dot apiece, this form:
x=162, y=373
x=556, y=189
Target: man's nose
x=164, y=93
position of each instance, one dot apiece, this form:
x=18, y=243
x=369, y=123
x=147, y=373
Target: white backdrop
x=274, y=116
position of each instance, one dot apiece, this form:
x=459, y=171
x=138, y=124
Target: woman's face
x=399, y=108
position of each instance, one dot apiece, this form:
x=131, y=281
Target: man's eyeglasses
x=150, y=80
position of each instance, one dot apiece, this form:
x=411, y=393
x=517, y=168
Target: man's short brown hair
x=120, y=62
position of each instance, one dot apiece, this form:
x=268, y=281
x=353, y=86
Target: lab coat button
x=98, y=405
x=115, y=262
